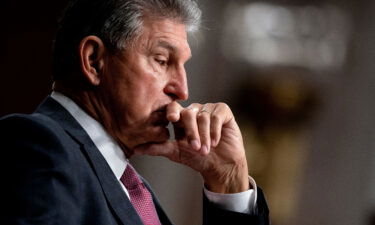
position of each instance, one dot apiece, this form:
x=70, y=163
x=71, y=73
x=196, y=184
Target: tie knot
x=130, y=178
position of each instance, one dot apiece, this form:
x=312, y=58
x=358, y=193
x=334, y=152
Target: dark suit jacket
x=52, y=173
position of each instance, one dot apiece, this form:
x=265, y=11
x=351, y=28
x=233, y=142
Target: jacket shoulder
x=28, y=121
x=35, y=135
x=29, y=126
x=38, y=162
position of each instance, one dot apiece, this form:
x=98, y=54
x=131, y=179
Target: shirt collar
x=107, y=146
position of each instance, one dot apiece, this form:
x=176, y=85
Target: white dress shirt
x=243, y=202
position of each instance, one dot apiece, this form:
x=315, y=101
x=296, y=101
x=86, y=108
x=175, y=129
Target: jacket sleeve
x=38, y=186
x=213, y=215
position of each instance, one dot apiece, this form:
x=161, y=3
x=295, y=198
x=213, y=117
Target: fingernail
x=213, y=142
x=204, y=149
x=195, y=144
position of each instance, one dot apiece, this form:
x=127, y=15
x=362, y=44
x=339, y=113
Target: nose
x=177, y=87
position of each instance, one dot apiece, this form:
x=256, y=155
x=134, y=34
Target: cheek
x=139, y=88
x=147, y=98
x=150, y=83
x=141, y=97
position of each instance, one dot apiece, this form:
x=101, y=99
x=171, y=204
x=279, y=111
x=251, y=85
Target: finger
x=203, y=119
x=188, y=120
x=221, y=115
x=216, y=124
x=194, y=107
x=173, y=111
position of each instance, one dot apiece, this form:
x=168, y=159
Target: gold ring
x=203, y=109
x=194, y=109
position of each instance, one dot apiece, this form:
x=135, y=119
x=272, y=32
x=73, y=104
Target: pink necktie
x=140, y=197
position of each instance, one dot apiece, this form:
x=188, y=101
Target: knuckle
x=191, y=109
x=223, y=105
x=187, y=113
x=207, y=105
x=214, y=118
x=173, y=106
x=205, y=135
x=194, y=106
x=203, y=116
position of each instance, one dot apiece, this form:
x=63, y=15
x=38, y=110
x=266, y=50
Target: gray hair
x=128, y=18
x=116, y=22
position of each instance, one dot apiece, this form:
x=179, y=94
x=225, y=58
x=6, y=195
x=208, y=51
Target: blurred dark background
x=299, y=76
x=27, y=31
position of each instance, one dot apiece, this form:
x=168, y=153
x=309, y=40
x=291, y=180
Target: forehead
x=165, y=33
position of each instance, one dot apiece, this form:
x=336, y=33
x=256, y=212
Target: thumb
x=166, y=149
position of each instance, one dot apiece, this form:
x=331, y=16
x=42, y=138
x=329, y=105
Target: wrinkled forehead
x=168, y=34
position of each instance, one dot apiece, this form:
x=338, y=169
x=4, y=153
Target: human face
x=141, y=81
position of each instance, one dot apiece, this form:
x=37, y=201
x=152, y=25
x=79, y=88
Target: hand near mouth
x=207, y=139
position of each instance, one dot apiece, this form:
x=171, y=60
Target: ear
x=91, y=53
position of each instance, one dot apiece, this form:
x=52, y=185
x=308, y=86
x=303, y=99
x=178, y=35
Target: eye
x=161, y=62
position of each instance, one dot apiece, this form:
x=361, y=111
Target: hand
x=207, y=139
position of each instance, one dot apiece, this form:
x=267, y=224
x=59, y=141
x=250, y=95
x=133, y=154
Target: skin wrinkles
x=211, y=143
x=135, y=94
x=138, y=114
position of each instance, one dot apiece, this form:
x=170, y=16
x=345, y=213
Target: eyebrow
x=169, y=46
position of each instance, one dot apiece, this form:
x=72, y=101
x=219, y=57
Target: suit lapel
x=109, y=183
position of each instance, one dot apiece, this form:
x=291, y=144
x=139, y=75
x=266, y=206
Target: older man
x=118, y=76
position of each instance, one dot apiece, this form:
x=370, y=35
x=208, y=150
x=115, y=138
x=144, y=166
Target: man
x=118, y=77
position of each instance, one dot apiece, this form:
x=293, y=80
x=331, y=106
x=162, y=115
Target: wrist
x=234, y=179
